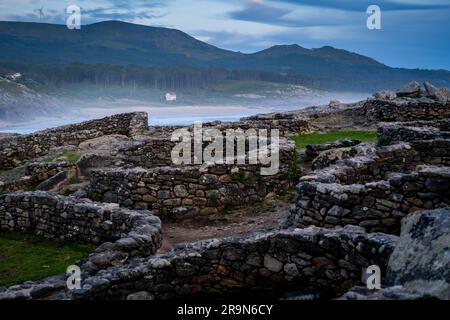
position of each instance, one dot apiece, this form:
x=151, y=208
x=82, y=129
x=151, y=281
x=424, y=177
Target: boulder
x=389, y=293
x=90, y=161
x=442, y=95
x=421, y=259
x=411, y=90
x=334, y=103
x=385, y=95
x=56, y=182
x=313, y=150
x=430, y=89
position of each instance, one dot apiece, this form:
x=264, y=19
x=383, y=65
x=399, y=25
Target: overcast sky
x=414, y=34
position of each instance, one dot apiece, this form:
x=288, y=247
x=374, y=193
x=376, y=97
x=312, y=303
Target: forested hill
x=115, y=52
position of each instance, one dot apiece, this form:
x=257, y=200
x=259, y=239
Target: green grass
x=321, y=138
x=71, y=156
x=25, y=257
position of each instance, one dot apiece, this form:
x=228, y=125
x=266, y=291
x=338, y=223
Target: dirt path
x=264, y=216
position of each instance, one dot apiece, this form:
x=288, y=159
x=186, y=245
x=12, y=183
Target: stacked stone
x=122, y=234
x=399, y=131
x=41, y=171
x=14, y=150
x=64, y=218
x=147, y=152
x=313, y=151
x=363, y=191
x=178, y=193
x=287, y=124
x=269, y=264
x=405, y=110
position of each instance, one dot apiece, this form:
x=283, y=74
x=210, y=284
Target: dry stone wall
x=14, y=150
x=287, y=124
x=405, y=109
x=411, y=131
x=329, y=261
x=65, y=218
x=122, y=234
x=376, y=192
x=186, y=192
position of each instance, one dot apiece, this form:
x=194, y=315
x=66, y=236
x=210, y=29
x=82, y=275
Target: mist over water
x=171, y=113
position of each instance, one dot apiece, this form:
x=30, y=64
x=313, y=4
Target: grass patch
x=320, y=138
x=26, y=257
x=71, y=156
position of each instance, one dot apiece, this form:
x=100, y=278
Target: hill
x=118, y=43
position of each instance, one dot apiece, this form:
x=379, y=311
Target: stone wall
x=33, y=174
x=186, y=192
x=376, y=206
x=147, y=152
x=287, y=124
x=313, y=151
x=405, y=109
x=327, y=261
x=65, y=218
x=41, y=171
x=14, y=150
x=122, y=234
x=410, y=131
x=376, y=191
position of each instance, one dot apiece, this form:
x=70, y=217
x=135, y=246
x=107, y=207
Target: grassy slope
x=320, y=138
x=25, y=257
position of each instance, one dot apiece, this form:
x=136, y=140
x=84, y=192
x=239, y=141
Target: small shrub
x=384, y=141
x=71, y=156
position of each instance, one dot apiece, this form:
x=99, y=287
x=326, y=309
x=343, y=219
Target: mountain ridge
x=121, y=43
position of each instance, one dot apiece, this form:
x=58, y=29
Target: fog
x=55, y=109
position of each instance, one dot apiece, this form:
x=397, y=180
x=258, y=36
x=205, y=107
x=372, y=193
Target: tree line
x=176, y=77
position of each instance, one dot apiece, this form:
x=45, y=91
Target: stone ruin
x=363, y=205
x=377, y=190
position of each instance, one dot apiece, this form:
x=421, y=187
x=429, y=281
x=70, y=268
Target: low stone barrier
x=14, y=150
x=122, y=234
x=411, y=131
x=178, y=193
x=376, y=190
x=147, y=152
x=376, y=206
x=329, y=261
x=286, y=124
x=405, y=109
x=313, y=151
x=41, y=171
x=65, y=218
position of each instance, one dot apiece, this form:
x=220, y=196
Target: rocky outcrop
x=389, y=293
x=421, y=260
x=419, y=267
x=410, y=90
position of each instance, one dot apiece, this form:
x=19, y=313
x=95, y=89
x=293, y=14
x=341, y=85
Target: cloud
x=361, y=5
x=293, y=16
x=257, y=11
x=136, y=4
x=118, y=14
